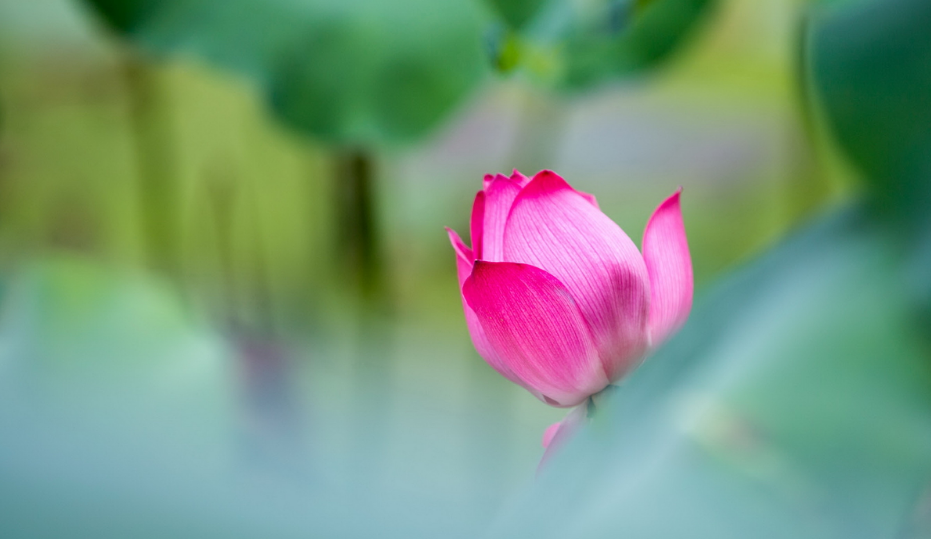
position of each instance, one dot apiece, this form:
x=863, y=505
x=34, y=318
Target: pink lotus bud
x=557, y=298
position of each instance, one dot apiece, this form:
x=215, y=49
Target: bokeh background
x=228, y=307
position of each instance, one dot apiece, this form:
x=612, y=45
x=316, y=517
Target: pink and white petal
x=464, y=258
x=553, y=227
x=477, y=224
x=536, y=328
x=519, y=178
x=669, y=265
x=562, y=433
x=549, y=433
x=591, y=199
x=464, y=263
x=499, y=195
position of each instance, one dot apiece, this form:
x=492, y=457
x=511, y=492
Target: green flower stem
x=599, y=400
x=358, y=242
x=156, y=163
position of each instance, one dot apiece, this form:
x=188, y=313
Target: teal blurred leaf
x=123, y=415
x=80, y=338
x=869, y=63
x=795, y=403
x=353, y=72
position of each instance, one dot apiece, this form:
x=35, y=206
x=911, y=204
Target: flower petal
x=666, y=253
x=519, y=178
x=464, y=258
x=477, y=224
x=464, y=262
x=553, y=227
x=488, y=179
x=549, y=433
x=562, y=432
x=535, y=326
x=590, y=199
x=499, y=195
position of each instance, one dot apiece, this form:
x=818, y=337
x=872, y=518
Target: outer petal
x=666, y=253
x=464, y=262
x=549, y=433
x=464, y=258
x=555, y=228
x=500, y=193
x=560, y=433
x=535, y=326
x=477, y=225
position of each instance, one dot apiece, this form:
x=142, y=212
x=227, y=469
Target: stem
x=5, y=198
x=156, y=163
x=273, y=422
x=360, y=256
x=807, y=185
x=359, y=248
x=599, y=400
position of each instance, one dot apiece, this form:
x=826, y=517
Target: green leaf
x=796, y=402
x=869, y=63
x=650, y=36
x=516, y=13
x=576, y=45
x=869, y=68
x=353, y=72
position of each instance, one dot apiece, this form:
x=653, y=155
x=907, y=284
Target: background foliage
x=227, y=305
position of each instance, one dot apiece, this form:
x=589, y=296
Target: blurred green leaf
x=795, y=403
x=632, y=41
x=516, y=13
x=575, y=45
x=870, y=68
x=353, y=72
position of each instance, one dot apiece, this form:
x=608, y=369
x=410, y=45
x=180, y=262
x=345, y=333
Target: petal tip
x=459, y=246
x=669, y=263
x=519, y=178
x=550, y=433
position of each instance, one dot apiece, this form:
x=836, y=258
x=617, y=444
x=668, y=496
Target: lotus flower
x=557, y=297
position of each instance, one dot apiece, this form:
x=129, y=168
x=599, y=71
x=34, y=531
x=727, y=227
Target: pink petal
x=464, y=258
x=666, y=252
x=499, y=195
x=535, y=326
x=519, y=178
x=562, y=433
x=591, y=199
x=550, y=432
x=553, y=227
x=477, y=224
x=464, y=262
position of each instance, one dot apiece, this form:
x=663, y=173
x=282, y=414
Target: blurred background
x=228, y=307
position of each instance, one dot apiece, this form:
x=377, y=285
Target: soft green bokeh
x=182, y=354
